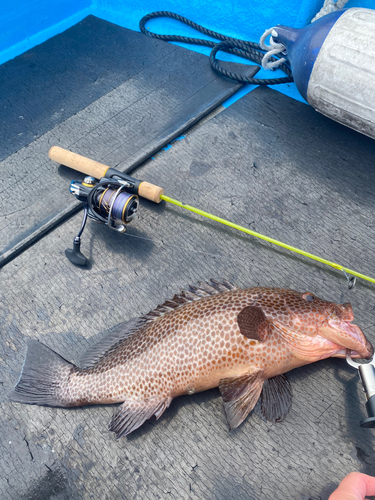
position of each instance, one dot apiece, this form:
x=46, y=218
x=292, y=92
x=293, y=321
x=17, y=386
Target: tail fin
x=44, y=377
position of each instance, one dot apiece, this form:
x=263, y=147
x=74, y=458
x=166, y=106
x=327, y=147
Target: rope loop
x=241, y=48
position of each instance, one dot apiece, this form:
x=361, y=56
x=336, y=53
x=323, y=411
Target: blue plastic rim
x=27, y=23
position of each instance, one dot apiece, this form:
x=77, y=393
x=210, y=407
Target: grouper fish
x=212, y=335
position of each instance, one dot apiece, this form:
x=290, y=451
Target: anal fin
x=132, y=414
x=240, y=395
x=276, y=398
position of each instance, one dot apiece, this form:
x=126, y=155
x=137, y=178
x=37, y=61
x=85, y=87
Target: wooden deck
x=266, y=162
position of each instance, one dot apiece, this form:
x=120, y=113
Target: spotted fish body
x=215, y=335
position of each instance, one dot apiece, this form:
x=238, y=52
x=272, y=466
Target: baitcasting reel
x=112, y=200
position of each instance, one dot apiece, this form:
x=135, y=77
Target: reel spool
x=107, y=202
x=119, y=207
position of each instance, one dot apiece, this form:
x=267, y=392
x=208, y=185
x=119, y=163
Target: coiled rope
x=241, y=48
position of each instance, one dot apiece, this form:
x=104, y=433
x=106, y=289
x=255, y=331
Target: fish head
x=327, y=325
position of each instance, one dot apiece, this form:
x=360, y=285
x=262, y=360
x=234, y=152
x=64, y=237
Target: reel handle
x=99, y=170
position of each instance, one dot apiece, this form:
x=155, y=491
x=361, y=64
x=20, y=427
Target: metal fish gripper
x=367, y=375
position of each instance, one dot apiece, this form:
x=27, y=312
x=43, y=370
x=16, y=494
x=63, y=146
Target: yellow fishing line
x=266, y=238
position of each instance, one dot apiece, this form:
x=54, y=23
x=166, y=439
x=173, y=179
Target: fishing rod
x=111, y=197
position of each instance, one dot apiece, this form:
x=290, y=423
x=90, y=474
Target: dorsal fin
x=109, y=342
x=193, y=293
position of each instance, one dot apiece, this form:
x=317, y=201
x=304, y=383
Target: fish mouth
x=347, y=336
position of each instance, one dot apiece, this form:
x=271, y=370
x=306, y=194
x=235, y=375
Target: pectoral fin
x=132, y=414
x=240, y=395
x=276, y=398
x=253, y=323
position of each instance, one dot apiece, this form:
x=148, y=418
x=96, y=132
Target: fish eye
x=308, y=296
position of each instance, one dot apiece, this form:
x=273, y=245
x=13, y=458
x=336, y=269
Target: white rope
x=276, y=48
x=272, y=49
x=328, y=7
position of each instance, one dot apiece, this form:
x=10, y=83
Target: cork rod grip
x=98, y=170
x=78, y=162
x=150, y=192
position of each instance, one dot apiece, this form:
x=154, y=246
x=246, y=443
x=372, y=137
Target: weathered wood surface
x=102, y=91
x=271, y=164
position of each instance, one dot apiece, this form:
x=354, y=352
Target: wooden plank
x=266, y=162
x=103, y=91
